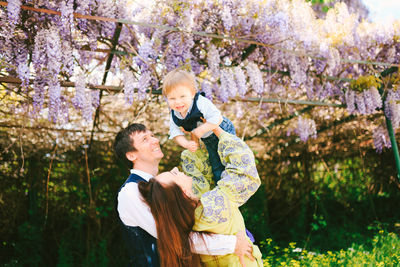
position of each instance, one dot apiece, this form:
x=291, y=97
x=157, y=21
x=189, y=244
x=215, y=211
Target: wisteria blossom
x=13, y=11
x=269, y=49
x=381, y=138
x=255, y=77
x=305, y=129
x=129, y=86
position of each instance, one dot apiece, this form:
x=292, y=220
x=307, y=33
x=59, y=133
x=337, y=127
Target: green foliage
x=383, y=250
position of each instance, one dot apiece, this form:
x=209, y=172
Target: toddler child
x=195, y=114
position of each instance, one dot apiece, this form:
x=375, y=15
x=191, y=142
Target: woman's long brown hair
x=173, y=212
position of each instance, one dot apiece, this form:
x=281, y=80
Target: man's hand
x=243, y=247
x=192, y=146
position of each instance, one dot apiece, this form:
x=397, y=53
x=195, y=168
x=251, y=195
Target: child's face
x=180, y=99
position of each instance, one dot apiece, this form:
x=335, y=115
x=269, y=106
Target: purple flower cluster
x=213, y=60
x=106, y=8
x=38, y=96
x=129, y=85
x=23, y=68
x=146, y=54
x=240, y=79
x=13, y=10
x=80, y=93
x=207, y=89
x=67, y=17
x=46, y=58
x=365, y=102
x=227, y=18
x=306, y=128
x=228, y=87
x=178, y=52
x=54, y=98
x=95, y=97
x=255, y=77
x=83, y=7
x=381, y=138
x=67, y=58
x=392, y=108
x=144, y=84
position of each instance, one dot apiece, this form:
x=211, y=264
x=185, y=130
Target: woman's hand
x=243, y=247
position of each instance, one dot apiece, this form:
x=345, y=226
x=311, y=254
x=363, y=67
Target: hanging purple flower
x=129, y=85
x=227, y=18
x=146, y=54
x=381, y=138
x=306, y=128
x=106, y=9
x=213, y=60
x=23, y=68
x=95, y=96
x=207, y=89
x=38, y=96
x=80, y=88
x=13, y=10
x=360, y=102
x=87, y=111
x=83, y=7
x=39, y=58
x=178, y=52
x=224, y=90
x=64, y=109
x=67, y=58
x=143, y=84
x=376, y=97
x=392, y=109
x=255, y=77
x=240, y=79
x=53, y=47
x=67, y=17
x=54, y=99
x=350, y=100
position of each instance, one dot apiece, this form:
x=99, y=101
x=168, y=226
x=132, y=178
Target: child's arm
x=211, y=114
x=192, y=146
x=206, y=127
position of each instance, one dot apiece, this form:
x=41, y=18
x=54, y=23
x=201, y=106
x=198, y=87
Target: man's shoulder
x=129, y=190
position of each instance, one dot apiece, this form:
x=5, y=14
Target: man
x=138, y=147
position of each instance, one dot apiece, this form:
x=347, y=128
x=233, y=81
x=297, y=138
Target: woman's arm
x=196, y=165
x=240, y=179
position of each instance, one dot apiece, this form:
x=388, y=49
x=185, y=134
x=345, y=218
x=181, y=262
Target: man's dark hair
x=124, y=143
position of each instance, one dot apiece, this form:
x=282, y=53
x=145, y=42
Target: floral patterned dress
x=218, y=211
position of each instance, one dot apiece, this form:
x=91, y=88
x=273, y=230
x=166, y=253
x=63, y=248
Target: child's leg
x=227, y=126
x=211, y=143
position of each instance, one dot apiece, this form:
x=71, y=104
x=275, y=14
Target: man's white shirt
x=133, y=211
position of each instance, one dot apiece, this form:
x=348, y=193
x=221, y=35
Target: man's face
x=147, y=147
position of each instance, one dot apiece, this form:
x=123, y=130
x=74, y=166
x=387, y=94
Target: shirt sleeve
x=173, y=128
x=212, y=244
x=240, y=180
x=133, y=211
x=210, y=112
x=197, y=166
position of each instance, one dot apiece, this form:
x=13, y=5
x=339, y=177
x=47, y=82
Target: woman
x=181, y=204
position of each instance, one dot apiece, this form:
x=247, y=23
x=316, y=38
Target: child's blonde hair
x=178, y=77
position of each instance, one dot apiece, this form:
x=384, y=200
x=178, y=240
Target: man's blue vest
x=189, y=123
x=142, y=246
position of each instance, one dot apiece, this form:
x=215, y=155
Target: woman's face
x=178, y=177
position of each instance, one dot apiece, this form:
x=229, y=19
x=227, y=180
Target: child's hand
x=192, y=146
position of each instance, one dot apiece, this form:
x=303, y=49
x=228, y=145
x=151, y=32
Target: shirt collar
x=144, y=175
